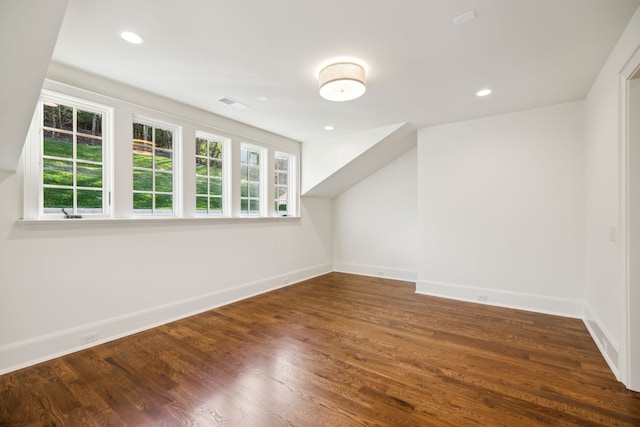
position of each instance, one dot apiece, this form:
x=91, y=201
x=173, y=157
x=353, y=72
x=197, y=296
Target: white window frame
x=33, y=185
x=176, y=205
x=226, y=173
x=263, y=194
x=291, y=188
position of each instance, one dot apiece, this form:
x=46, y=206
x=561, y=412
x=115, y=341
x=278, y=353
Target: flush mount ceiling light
x=131, y=37
x=342, y=81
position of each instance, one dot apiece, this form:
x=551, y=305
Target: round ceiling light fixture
x=131, y=37
x=342, y=81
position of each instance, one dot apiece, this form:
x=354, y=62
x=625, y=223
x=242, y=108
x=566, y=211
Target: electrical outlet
x=89, y=338
x=481, y=297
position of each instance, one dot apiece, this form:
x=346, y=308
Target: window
x=210, y=172
x=73, y=156
x=70, y=159
x=282, y=188
x=153, y=168
x=250, y=182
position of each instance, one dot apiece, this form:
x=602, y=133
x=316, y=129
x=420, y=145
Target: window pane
x=216, y=204
x=90, y=201
x=215, y=150
x=201, y=185
x=243, y=155
x=58, y=116
x=254, y=158
x=164, y=202
x=244, y=189
x=215, y=187
x=164, y=182
x=201, y=204
x=201, y=166
x=89, y=149
x=244, y=203
x=142, y=180
x=282, y=178
x=58, y=198
x=88, y=175
x=282, y=164
x=164, y=139
x=254, y=190
x=57, y=172
x=142, y=133
x=254, y=173
x=201, y=147
x=164, y=160
x=142, y=156
x=244, y=172
x=142, y=202
x=89, y=123
x=281, y=192
x=58, y=144
x=215, y=168
x=282, y=208
x=254, y=206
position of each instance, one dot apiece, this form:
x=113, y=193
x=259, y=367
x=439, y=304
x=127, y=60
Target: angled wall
x=25, y=26
x=331, y=166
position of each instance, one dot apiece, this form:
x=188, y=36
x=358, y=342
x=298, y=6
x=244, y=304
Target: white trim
x=376, y=271
x=605, y=342
x=29, y=352
x=499, y=298
x=625, y=360
x=159, y=221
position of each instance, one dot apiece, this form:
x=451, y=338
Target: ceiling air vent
x=233, y=103
x=465, y=17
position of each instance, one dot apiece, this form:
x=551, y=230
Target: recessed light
x=329, y=127
x=483, y=92
x=264, y=98
x=131, y=37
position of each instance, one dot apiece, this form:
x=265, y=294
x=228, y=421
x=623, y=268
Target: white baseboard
x=507, y=299
x=25, y=353
x=606, y=344
x=376, y=271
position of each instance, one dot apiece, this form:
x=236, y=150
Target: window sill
x=89, y=223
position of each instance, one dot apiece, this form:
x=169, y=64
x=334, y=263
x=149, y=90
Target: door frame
x=627, y=364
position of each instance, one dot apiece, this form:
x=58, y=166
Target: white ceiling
x=422, y=68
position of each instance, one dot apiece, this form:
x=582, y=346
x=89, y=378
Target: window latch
x=69, y=216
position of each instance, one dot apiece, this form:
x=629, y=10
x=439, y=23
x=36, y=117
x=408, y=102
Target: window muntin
x=72, y=157
x=282, y=186
x=210, y=173
x=250, y=180
x=153, y=168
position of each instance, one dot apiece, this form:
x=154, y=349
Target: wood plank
x=337, y=350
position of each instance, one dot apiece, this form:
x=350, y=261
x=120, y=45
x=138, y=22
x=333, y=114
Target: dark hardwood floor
x=338, y=350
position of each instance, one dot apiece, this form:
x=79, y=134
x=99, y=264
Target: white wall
x=70, y=279
x=375, y=223
x=501, y=209
x=604, y=297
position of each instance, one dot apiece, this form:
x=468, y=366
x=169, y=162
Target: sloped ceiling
x=28, y=33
